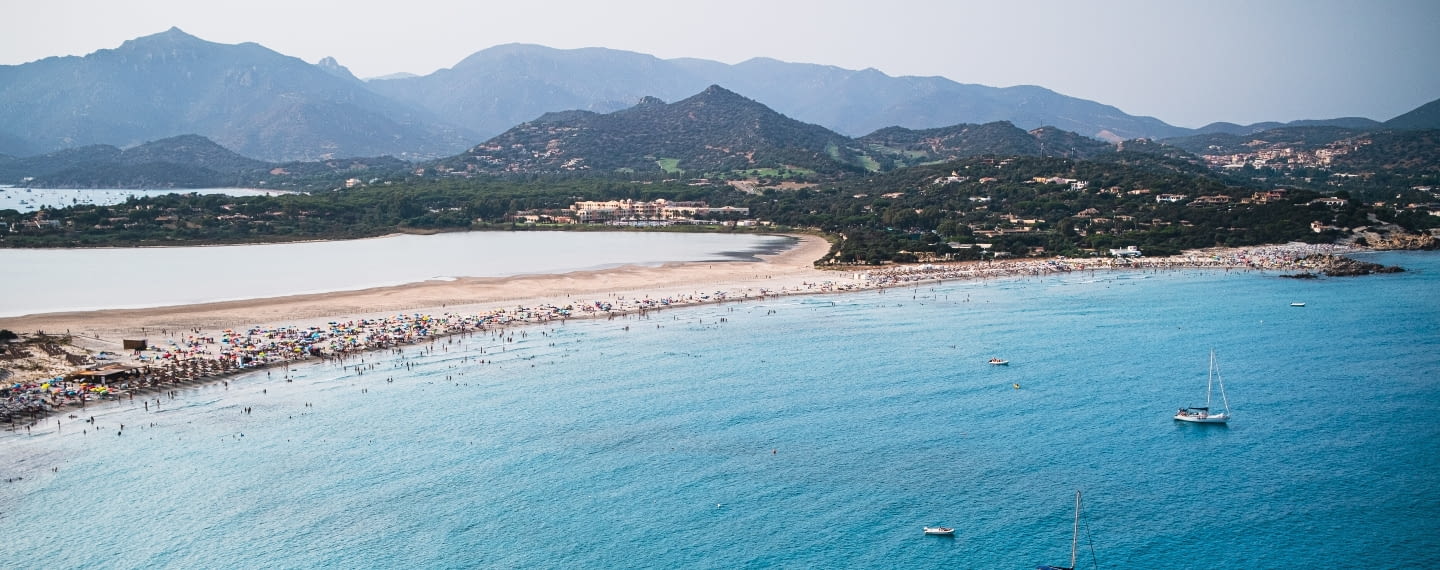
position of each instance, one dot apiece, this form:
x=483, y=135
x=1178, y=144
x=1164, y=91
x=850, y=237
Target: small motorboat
x=940, y=531
x=1297, y=304
x=998, y=362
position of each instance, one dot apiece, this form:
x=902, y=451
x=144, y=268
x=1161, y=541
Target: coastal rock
x=1339, y=266
x=1392, y=240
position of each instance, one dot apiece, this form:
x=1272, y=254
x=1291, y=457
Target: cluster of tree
x=956, y=210
x=334, y=214
x=943, y=210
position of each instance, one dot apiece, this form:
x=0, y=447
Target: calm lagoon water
x=54, y=280
x=802, y=432
x=32, y=199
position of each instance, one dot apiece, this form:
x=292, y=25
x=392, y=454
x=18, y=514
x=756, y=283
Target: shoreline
x=329, y=278
x=212, y=341
x=452, y=295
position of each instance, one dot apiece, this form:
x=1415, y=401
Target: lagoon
x=56, y=280
x=31, y=199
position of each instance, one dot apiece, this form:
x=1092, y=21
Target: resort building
x=1127, y=251
x=655, y=210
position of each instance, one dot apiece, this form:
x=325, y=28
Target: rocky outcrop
x=1396, y=240
x=1338, y=266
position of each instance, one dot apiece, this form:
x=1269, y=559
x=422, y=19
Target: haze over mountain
x=1426, y=116
x=496, y=88
x=719, y=131
x=1234, y=129
x=716, y=132
x=269, y=106
x=186, y=161
x=183, y=161
x=246, y=97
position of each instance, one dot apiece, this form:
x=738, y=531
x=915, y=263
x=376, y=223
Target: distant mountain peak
x=333, y=67
x=174, y=34
x=716, y=93
x=171, y=40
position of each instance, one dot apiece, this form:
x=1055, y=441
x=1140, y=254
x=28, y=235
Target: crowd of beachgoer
x=1285, y=257
x=199, y=355
x=30, y=401
x=261, y=346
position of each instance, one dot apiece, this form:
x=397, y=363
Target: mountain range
x=504, y=85
x=716, y=131
x=274, y=107
x=246, y=97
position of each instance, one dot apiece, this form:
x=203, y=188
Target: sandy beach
x=103, y=330
x=208, y=340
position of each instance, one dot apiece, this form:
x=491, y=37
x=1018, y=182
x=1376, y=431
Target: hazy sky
x=1187, y=62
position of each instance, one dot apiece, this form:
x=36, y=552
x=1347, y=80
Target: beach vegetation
x=1014, y=205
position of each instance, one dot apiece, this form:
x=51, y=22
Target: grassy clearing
x=669, y=165
x=787, y=172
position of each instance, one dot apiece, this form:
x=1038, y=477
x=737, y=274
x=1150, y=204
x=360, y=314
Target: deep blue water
x=803, y=432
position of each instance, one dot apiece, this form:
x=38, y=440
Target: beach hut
x=107, y=374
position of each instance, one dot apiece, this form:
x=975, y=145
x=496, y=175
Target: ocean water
x=801, y=432
x=58, y=280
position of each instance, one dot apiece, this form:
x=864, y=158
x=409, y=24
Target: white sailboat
x=1074, y=540
x=1203, y=415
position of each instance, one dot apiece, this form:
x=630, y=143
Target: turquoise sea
x=800, y=432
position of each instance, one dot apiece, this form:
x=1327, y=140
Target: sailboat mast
x=1075, y=536
x=1223, y=399
x=1210, y=380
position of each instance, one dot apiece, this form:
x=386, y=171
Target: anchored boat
x=1203, y=414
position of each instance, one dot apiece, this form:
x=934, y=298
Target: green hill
x=714, y=131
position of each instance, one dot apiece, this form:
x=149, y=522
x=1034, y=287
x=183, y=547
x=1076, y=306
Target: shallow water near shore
x=804, y=432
